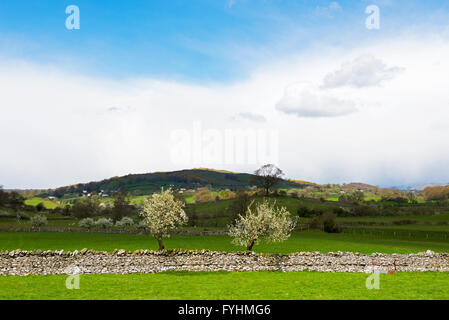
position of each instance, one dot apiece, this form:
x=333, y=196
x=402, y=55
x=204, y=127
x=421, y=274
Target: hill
x=142, y=184
x=423, y=186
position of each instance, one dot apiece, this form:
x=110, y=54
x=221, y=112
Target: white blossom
x=266, y=220
x=161, y=214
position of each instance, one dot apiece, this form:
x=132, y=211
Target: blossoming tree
x=161, y=214
x=266, y=220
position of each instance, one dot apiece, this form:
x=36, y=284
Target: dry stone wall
x=22, y=262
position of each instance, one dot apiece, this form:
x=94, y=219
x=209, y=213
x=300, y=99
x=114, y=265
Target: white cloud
x=334, y=6
x=307, y=101
x=364, y=71
x=249, y=116
x=328, y=10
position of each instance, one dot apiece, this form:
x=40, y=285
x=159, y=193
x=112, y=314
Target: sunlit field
x=229, y=285
x=299, y=241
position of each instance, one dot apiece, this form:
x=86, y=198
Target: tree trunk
x=250, y=246
x=161, y=244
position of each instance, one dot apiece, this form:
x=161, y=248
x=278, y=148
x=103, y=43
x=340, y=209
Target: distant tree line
x=88, y=207
x=372, y=210
x=11, y=199
x=437, y=193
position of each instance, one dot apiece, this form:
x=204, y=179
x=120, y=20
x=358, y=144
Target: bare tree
x=267, y=177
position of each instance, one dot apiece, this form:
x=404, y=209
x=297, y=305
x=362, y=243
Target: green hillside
x=141, y=184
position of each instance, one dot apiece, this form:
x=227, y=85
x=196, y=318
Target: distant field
x=36, y=200
x=189, y=200
x=425, y=234
x=228, y=285
x=421, y=218
x=57, y=223
x=299, y=241
x=415, y=227
x=292, y=204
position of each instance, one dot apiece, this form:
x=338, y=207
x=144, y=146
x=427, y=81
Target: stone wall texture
x=21, y=262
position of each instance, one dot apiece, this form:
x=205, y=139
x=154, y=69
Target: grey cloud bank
x=389, y=129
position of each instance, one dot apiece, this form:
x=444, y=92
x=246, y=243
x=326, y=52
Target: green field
x=216, y=214
x=299, y=241
x=229, y=285
x=420, y=219
x=53, y=223
x=36, y=200
x=416, y=227
x=224, y=285
x=421, y=236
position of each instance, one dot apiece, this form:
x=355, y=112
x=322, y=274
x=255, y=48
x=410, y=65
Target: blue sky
x=346, y=103
x=198, y=40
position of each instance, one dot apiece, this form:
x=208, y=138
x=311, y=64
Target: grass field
x=36, y=200
x=420, y=219
x=224, y=285
x=416, y=227
x=299, y=241
x=410, y=238
x=52, y=223
x=217, y=214
x=229, y=285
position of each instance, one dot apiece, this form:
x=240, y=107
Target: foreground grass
x=299, y=241
x=229, y=285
